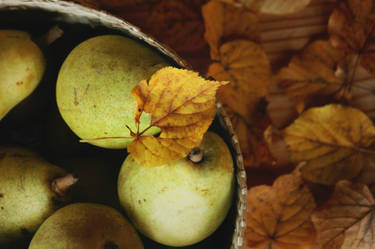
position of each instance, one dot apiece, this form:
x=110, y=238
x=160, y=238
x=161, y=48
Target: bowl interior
x=78, y=24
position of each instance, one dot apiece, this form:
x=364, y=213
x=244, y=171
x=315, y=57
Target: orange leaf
x=279, y=216
x=347, y=219
x=351, y=27
x=271, y=6
x=182, y=105
x=333, y=140
x=246, y=66
x=223, y=21
x=310, y=74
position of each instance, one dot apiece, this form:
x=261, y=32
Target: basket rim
x=102, y=18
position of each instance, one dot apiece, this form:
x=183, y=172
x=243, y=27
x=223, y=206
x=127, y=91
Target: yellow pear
x=94, y=86
x=31, y=189
x=183, y=202
x=86, y=226
x=22, y=66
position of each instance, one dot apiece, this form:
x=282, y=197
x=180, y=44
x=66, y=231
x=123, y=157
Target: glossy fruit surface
x=179, y=203
x=22, y=66
x=86, y=226
x=94, y=88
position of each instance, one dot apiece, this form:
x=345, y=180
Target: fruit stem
x=51, y=36
x=62, y=184
x=196, y=155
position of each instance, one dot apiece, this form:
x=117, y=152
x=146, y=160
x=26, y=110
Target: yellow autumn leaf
x=347, y=219
x=271, y=6
x=246, y=66
x=182, y=105
x=333, y=140
x=223, y=21
x=279, y=216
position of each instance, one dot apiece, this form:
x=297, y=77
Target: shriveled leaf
x=225, y=22
x=271, y=6
x=254, y=148
x=246, y=66
x=280, y=108
x=351, y=28
x=182, y=105
x=278, y=217
x=363, y=92
x=333, y=141
x=179, y=24
x=310, y=74
x=277, y=147
x=367, y=174
x=347, y=219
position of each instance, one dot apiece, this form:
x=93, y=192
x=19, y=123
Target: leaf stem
x=101, y=138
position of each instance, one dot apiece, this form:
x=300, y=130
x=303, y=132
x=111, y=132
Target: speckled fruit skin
x=94, y=88
x=180, y=203
x=26, y=198
x=86, y=226
x=22, y=66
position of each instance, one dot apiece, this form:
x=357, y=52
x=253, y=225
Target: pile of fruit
x=103, y=138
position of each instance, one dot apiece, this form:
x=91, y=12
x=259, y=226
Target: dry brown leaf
x=271, y=6
x=182, y=105
x=347, y=219
x=277, y=147
x=310, y=74
x=246, y=66
x=179, y=24
x=278, y=217
x=351, y=27
x=225, y=22
x=333, y=141
x=280, y=108
x=363, y=92
x=254, y=149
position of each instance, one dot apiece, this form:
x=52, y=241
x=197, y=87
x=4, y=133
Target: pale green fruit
x=94, y=88
x=180, y=203
x=22, y=66
x=28, y=194
x=86, y=226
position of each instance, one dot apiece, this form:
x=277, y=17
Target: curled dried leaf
x=178, y=24
x=346, y=220
x=310, y=74
x=225, y=22
x=246, y=66
x=333, y=141
x=279, y=216
x=271, y=6
x=182, y=105
x=351, y=28
x=254, y=148
x=280, y=108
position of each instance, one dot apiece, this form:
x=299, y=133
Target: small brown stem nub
x=196, y=155
x=51, y=36
x=62, y=184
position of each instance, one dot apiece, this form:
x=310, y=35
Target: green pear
x=22, y=65
x=94, y=86
x=31, y=189
x=183, y=202
x=86, y=226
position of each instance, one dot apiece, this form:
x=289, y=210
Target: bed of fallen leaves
x=301, y=100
